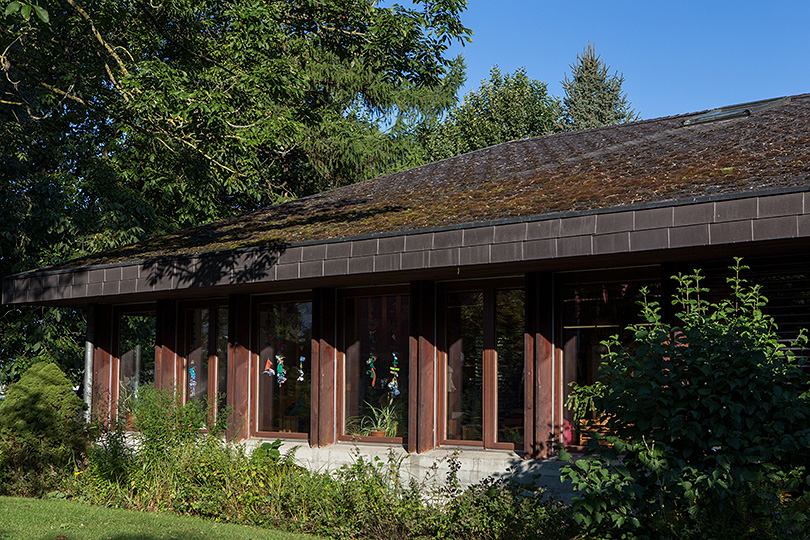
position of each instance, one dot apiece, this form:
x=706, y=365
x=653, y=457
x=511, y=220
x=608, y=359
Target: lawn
x=54, y=519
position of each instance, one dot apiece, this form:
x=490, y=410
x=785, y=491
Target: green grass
x=56, y=519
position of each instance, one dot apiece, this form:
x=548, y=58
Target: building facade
x=458, y=300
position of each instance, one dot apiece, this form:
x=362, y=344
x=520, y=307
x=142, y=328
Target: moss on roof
x=648, y=161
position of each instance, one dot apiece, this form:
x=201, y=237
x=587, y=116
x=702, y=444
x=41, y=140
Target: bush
x=42, y=431
x=711, y=421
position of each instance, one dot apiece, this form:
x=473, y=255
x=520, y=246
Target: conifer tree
x=593, y=97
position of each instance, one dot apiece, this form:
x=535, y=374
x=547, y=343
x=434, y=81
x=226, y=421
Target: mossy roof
x=766, y=145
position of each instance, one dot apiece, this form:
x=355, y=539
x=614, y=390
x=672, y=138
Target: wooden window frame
x=489, y=411
x=340, y=413
x=255, y=366
x=212, y=305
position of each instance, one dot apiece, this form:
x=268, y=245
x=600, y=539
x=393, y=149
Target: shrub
x=505, y=508
x=42, y=431
x=711, y=421
x=163, y=422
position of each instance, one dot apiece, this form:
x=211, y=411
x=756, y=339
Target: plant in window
x=382, y=421
x=582, y=400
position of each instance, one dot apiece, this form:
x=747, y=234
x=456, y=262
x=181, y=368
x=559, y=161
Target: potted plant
x=588, y=419
x=382, y=421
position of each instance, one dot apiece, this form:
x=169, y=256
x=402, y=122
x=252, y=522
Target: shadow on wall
x=210, y=269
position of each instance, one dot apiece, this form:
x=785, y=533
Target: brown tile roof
x=642, y=162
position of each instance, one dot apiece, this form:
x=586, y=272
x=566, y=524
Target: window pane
x=510, y=328
x=592, y=312
x=285, y=384
x=222, y=359
x=465, y=365
x=136, y=350
x=197, y=356
x=376, y=370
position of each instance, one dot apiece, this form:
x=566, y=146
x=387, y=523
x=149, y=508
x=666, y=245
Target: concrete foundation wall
x=432, y=467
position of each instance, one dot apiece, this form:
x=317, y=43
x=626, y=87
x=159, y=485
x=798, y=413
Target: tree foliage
x=711, y=418
x=504, y=108
x=593, y=97
x=123, y=120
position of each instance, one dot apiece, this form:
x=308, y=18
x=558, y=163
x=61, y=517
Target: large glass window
x=285, y=377
x=510, y=329
x=206, y=370
x=484, y=366
x=465, y=365
x=593, y=309
x=376, y=366
x=136, y=354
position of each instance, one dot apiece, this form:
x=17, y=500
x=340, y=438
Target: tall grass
x=208, y=477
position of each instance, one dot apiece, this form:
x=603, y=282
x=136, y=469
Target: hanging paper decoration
x=268, y=367
x=192, y=380
x=281, y=375
x=372, y=371
x=301, y=368
x=393, y=386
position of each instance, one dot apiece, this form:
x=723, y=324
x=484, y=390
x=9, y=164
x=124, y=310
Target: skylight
x=735, y=111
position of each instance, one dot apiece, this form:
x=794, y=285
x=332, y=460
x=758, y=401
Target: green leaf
x=25, y=11
x=13, y=7
x=42, y=13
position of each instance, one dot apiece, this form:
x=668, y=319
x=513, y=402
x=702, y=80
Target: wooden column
x=166, y=340
x=104, y=388
x=540, y=424
x=238, y=365
x=323, y=419
x=422, y=368
x=490, y=390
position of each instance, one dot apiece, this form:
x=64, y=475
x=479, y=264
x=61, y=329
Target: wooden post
x=541, y=425
x=324, y=368
x=238, y=365
x=422, y=368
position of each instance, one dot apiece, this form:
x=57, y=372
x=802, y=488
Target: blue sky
x=676, y=57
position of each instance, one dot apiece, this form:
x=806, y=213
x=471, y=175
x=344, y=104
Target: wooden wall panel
x=539, y=321
x=324, y=388
x=238, y=393
x=422, y=368
x=166, y=340
x=490, y=390
x=102, y=364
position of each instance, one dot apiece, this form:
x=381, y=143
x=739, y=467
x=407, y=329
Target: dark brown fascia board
x=738, y=218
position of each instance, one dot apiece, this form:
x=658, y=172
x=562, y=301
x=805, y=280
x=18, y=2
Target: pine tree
x=593, y=97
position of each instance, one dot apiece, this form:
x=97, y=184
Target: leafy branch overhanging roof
x=767, y=145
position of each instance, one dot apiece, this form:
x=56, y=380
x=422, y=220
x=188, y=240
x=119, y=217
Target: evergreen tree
x=593, y=97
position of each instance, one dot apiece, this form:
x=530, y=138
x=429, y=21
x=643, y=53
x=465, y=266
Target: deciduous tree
x=122, y=120
x=504, y=108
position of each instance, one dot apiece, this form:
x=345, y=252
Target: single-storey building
x=458, y=299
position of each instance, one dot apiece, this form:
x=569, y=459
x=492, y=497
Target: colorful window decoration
x=285, y=382
x=207, y=356
x=376, y=337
